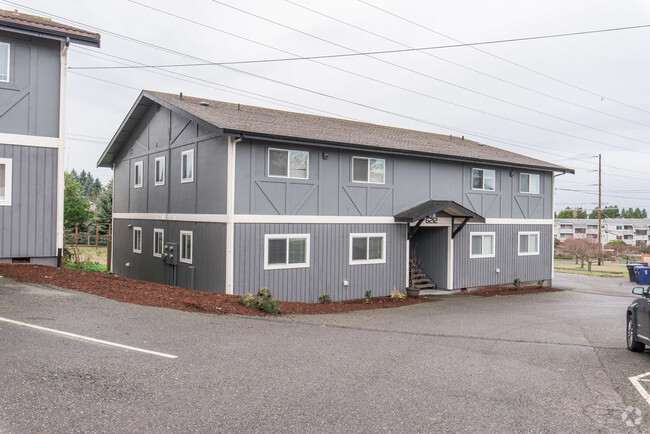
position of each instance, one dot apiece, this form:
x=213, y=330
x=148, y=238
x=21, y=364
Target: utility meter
x=170, y=253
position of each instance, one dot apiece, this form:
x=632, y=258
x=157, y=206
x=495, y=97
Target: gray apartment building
x=634, y=232
x=226, y=197
x=33, y=61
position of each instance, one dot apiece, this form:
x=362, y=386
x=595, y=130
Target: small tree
x=587, y=250
x=104, y=211
x=76, y=209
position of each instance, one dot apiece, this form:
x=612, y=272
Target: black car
x=638, y=321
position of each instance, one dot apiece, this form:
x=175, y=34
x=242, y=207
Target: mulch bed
x=154, y=294
x=497, y=291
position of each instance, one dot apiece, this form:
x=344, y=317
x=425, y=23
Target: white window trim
x=182, y=247
x=155, y=171
x=135, y=173
x=483, y=188
x=8, y=162
x=519, y=234
x=8, y=62
x=268, y=237
x=191, y=178
x=368, y=160
x=494, y=237
x=137, y=230
x=158, y=231
x=529, y=176
x=367, y=261
x=288, y=151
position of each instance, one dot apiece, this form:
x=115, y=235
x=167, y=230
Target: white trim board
x=499, y=221
x=24, y=140
x=247, y=218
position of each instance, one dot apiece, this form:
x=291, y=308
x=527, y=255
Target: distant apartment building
x=633, y=231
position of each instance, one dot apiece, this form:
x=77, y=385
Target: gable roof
x=14, y=21
x=264, y=123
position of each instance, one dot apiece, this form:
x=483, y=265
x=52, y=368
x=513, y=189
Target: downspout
x=230, y=213
x=60, y=178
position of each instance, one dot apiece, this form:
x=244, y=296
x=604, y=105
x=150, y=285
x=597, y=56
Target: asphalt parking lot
x=542, y=362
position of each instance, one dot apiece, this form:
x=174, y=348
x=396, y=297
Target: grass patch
x=91, y=254
x=596, y=270
x=88, y=266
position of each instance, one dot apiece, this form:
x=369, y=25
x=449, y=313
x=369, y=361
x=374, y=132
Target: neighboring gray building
x=33, y=65
x=307, y=205
x=634, y=232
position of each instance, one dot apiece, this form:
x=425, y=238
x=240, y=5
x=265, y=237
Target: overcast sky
x=563, y=100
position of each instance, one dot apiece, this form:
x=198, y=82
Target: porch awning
x=432, y=207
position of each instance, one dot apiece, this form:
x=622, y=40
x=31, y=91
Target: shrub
x=397, y=295
x=540, y=283
x=263, y=301
x=517, y=283
x=324, y=298
x=368, y=295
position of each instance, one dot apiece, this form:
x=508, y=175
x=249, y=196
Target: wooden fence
x=96, y=235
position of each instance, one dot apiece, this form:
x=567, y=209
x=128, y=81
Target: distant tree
x=587, y=250
x=644, y=213
x=76, y=208
x=572, y=213
x=104, y=211
x=609, y=212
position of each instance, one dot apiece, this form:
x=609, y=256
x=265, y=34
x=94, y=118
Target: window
x=482, y=245
x=483, y=179
x=288, y=164
x=286, y=251
x=137, y=240
x=367, y=249
x=528, y=243
x=158, y=242
x=159, y=171
x=4, y=61
x=5, y=181
x=186, y=247
x=619, y=228
x=187, y=166
x=371, y=170
x=528, y=183
x=137, y=174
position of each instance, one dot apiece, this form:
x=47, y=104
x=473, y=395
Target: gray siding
x=29, y=102
x=28, y=226
x=470, y=272
x=164, y=133
x=430, y=246
x=408, y=182
x=209, y=249
x=329, y=262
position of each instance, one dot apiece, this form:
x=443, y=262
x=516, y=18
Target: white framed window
x=483, y=179
x=159, y=171
x=529, y=183
x=186, y=247
x=371, y=170
x=288, y=164
x=481, y=245
x=528, y=243
x=137, y=240
x=286, y=251
x=5, y=181
x=4, y=61
x=367, y=248
x=187, y=166
x=158, y=242
x=137, y=174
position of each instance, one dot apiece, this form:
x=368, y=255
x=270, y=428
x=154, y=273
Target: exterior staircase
x=419, y=280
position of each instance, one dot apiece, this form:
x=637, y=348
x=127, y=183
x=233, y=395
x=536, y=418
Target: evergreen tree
x=104, y=212
x=76, y=208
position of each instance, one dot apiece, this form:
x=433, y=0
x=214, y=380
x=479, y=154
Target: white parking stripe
x=636, y=382
x=86, y=338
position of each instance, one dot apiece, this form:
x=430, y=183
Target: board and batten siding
x=471, y=272
x=28, y=225
x=208, y=255
x=329, y=262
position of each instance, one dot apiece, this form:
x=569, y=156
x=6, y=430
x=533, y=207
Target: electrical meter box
x=170, y=253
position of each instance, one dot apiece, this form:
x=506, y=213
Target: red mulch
x=497, y=291
x=154, y=294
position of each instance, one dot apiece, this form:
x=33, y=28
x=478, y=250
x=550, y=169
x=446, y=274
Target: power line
x=506, y=60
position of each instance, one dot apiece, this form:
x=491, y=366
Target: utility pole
x=600, y=243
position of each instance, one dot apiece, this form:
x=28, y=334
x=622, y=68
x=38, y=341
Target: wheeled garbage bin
x=632, y=266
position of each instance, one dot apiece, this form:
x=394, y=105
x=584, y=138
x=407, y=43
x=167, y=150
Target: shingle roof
x=15, y=20
x=264, y=122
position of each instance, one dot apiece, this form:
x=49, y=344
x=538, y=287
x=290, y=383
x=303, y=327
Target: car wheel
x=632, y=343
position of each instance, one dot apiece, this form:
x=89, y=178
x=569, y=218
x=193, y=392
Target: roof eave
x=58, y=35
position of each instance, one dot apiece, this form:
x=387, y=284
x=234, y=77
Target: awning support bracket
x=414, y=229
x=459, y=228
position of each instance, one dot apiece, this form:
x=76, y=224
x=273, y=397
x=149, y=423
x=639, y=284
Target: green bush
x=397, y=295
x=263, y=301
x=540, y=283
x=324, y=298
x=87, y=266
x=517, y=283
